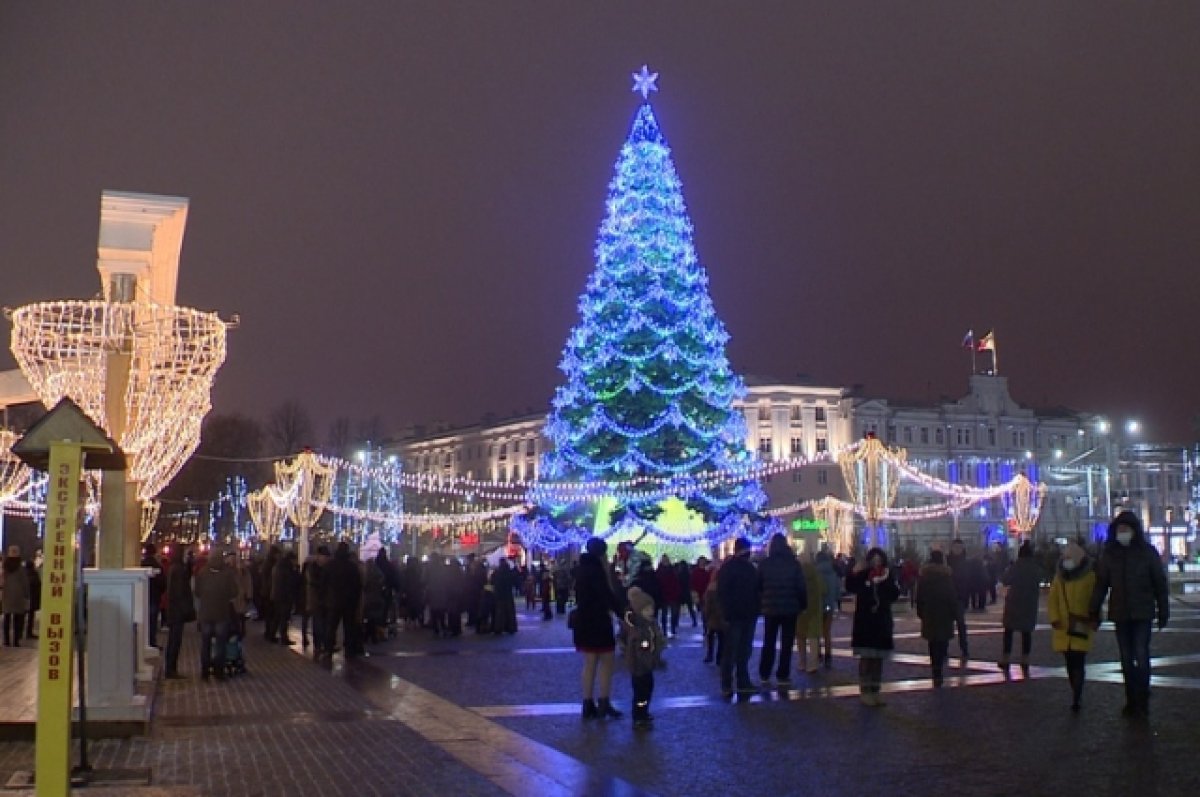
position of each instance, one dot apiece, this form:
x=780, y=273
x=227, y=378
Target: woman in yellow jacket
x=1067, y=606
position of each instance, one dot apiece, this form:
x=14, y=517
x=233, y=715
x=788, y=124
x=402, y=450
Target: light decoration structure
x=310, y=481
x=63, y=349
x=837, y=516
x=267, y=513
x=872, y=479
x=16, y=478
x=149, y=516
x=367, y=500
x=649, y=391
x=1023, y=504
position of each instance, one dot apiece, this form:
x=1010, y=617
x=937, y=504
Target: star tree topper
x=644, y=82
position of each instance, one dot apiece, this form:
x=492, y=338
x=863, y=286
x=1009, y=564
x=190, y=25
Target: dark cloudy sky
x=401, y=199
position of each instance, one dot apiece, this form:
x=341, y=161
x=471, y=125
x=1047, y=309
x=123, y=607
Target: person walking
x=1131, y=570
x=738, y=591
x=1067, y=608
x=285, y=586
x=181, y=609
x=937, y=606
x=14, y=595
x=1023, y=581
x=874, y=586
x=504, y=583
x=671, y=592
x=156, y=584
x=343, y=592
x=957, y=560
x=810, y=622
x=592, y=629
x=216, y=589
x=784, y=595
x=683, y=572
x=831, y=600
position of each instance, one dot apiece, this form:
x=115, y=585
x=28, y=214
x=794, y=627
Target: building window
x=820, y=415
x=907, y=434
x=924, y=435
x=939, y=436
x=795, y=412
x=964, y=436
x=796, y=476
x=891, y=432
x=991, y=435
x=822, y=445
x=797, y=446
x=503, y=452
x=822, y=477
x=764, y=447
x=530, y=447
x=764, y=412
x=503, y=473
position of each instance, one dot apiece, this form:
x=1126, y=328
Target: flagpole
x=995, y=359
x=974, y=370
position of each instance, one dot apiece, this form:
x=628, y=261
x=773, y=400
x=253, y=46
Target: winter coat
x=699, y=581
x=313, y=574
x=937, y=602
x=504, y=612
x=343, y=583
x=961, y=568
x=737, y=587
x=714, y=620
x=1024, y=581
x=831, y=584
x=15, y=593
x=781, y=584
x=285, y=583
x=1071, y=593
x=1137, y=581
x=595, y=605
x=668, y=584
x=216, y=589
x=181, y=606
x=872, y=627
x=811, y=622
x=245, y=589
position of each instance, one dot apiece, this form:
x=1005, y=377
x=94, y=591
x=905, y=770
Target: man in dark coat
x=343, y=591
x=961, y=569
x=737, y=590
x=156, y=584
x=285, y=587
x=938, y=607
x=181, y=609
x=1131, y=568
x=1024, y=582
x=784, y=595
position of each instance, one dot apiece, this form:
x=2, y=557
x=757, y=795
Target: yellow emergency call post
x=58, y=444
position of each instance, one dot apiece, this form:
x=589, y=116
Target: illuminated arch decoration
x=63, y=348
x=1023, y=505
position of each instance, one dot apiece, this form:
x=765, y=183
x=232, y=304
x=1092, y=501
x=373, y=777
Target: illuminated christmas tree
x=648, y=399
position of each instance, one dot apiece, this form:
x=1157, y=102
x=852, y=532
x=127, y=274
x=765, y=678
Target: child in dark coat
x=643, y=653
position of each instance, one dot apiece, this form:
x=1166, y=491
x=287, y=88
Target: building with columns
x=983, y=438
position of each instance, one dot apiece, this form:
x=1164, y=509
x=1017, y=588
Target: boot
x=937, y=676
x=1076, y=679
x=1025, y=667
x=606, y=709
x=1003, y=664
x=589, y=709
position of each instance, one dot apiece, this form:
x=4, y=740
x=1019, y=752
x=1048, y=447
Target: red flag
x=988, y=342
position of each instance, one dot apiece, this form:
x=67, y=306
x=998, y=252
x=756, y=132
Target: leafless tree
x=289, y=428
x=339, y=440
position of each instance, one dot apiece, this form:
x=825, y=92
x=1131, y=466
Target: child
x=714, y=624
x=643, y=653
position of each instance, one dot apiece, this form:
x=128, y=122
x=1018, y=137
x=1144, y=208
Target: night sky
x=401, y=199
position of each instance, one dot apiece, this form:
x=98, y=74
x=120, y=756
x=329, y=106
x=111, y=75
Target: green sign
x=808, y=524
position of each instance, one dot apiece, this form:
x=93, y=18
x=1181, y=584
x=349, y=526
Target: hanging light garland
x=149, y=516
x=267, y=513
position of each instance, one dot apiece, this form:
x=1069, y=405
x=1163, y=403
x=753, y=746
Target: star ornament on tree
x=644, y=82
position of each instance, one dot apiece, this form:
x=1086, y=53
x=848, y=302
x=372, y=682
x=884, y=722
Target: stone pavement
x=483, y=715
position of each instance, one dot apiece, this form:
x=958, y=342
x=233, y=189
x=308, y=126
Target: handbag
x=1079, y=626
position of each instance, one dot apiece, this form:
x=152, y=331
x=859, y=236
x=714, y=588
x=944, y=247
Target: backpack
x=645, y=644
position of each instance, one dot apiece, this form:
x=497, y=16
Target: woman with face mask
x=1130, y=568
x=1067, y=606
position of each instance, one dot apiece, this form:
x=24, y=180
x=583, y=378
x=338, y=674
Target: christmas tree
x=648, y=399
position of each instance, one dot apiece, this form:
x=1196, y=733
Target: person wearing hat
x=592, y=627
x=15, y=596
x=738, y=592
x=1067, y=608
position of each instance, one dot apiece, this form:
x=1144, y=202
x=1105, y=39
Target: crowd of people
x=342, y=603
